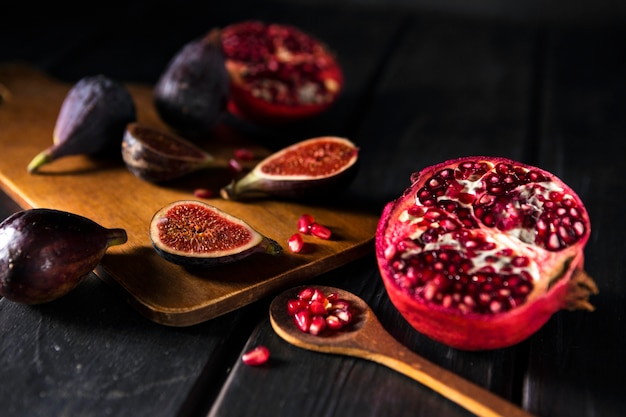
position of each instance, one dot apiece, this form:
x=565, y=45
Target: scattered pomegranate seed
x=320, y=231
x=203, y=193
x=296, y=243
x=257, y=356
x=244, y=154
x=234, y=165
x=313, y=311
x=304, y=223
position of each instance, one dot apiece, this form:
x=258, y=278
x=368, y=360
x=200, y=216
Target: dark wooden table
x=420, y=88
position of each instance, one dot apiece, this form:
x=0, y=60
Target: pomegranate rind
x=193, y=233
x=250, y=106
x=259, y=182
x=553, y=287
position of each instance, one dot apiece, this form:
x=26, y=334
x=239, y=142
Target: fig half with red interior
x=312, y=167
x=278, y=72
x=479, y=252
x=195, y=234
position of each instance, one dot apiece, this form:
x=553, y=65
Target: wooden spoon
x=366, y=338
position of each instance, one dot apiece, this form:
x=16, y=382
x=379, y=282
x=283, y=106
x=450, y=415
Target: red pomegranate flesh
x=479, y=252
x=278, y=72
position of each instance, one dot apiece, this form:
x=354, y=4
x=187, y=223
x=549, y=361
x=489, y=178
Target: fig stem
x=116, y=237
x=271, y=247
x=39, y=160
x=237, y=188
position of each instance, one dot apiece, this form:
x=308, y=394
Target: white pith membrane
x=204, y=231
x=493, y=270
x=280, y=155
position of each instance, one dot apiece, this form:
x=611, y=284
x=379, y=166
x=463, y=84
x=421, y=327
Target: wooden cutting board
x=106, y=192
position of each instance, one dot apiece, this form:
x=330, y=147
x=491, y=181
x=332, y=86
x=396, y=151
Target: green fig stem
x=116, y=237
x=237, y=188
x=271, y=247
x=39, y=160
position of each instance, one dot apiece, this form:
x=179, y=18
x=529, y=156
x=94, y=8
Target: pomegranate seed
x=333, y=322
x=306, y=294
x=318, y=308
x=296, y=243
x=244, y=154
x=313, y=311
x=304, y=223
x=295, y=305
x=234, y=165
x=303, y=320
x=320, y=231
x=257, y=356
x=318, y=324
x=203, y=193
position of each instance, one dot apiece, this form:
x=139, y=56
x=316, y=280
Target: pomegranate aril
x=303, y=320
x=203, y=193
x=257, y=356
x=317, y=307
x=313, y=311
x=318, y=324
x=296, y=243
x=244, y=154
x=234, y=165
x=304, y=223
x=295, y=305
x=306, y=294
x=333, y=322
x=320, y=231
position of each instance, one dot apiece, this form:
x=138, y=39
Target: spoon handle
x=391, y=353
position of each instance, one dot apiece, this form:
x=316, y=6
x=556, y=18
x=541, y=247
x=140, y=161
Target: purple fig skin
x=156, y=156
x=192, y=93
x=209, y=235
x=45, y=253
x=91, y=121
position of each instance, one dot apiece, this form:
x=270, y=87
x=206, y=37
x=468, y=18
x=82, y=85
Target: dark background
x=540, y=82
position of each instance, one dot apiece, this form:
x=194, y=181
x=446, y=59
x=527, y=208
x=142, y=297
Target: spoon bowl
x=366, y=338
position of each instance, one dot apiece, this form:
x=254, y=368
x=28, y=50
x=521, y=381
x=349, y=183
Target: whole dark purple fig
x=195, y=234
x=154, y=155
x=192, y=92
x=311, y=168
x=45, y=253
x=91, y=121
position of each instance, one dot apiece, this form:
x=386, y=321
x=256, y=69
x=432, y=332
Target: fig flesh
x=91, y=121
x=154, y=155
x=308, y=168
x=45, y=253
x=195, y=234
x=192, y=92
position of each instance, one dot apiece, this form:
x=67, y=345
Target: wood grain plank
x=577, y=360
x=108, y=193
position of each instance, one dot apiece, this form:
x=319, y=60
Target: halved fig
x=195, y=234
x=307, y=168
x=91, y=121
x=155, y=155
x=278, y=72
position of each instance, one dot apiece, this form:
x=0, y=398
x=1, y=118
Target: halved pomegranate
x=479, y=252
x=278, y=72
